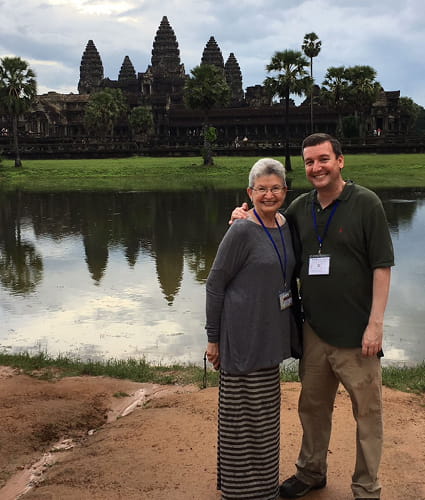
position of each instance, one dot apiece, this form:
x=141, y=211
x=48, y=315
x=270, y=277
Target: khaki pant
x=322, y=368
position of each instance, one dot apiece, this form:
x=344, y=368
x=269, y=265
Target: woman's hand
x=213, y=354
x=239, y=213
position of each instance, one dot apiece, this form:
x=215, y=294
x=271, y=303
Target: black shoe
x=295, y=488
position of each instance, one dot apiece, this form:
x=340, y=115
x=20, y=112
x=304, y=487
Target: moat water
x=122, y=274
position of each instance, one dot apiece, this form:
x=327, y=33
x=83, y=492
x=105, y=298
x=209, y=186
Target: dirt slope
x=164, y=448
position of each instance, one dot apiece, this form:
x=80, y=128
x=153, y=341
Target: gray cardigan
x=242, y=305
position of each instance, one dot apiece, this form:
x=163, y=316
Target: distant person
x=346, y=259
x=250, y=297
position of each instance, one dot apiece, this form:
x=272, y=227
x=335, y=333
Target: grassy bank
x=143, y=173
x=407, y=379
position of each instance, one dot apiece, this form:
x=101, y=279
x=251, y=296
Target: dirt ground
x=100, y=438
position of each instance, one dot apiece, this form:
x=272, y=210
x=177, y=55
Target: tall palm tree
x=335, y=90
x=291, y=78
x=311, y=47
x=18, y=89
x=204, y=90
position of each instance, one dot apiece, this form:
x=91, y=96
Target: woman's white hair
x=266, y=166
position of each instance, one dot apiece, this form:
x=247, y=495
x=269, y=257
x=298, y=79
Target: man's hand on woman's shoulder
x=239, y=213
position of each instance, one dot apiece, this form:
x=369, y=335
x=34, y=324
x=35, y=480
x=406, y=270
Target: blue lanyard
x=283, y=267
x=321, y=239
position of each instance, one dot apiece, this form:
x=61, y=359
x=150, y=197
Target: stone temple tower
x=91, y=70
x=233, y=75
x=128, y=81
x=127, y=71
x=168, y=74
x=212, y=54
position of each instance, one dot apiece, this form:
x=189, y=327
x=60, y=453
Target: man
x=346, y=259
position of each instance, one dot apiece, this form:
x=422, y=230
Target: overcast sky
x=52, y=35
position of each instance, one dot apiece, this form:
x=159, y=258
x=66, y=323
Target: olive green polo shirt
x=358, y=241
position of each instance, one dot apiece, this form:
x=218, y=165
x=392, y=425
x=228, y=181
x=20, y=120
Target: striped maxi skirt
x=249, y=435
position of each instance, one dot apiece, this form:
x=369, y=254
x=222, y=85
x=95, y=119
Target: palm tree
x=335, y=89
x=291, y=78
x=204, y=90
x=311, y=47
x=141, y=122
x=18, y=89
x=363, y=92
x=103, y=111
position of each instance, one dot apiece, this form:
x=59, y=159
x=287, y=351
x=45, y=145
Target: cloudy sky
x=52, y=35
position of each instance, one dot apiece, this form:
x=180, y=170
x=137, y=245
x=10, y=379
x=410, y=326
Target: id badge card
x=319, y=265
x=285, y=299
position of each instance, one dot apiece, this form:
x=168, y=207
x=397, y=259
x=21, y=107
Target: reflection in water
x=121, y=275
x=400, y=211
x=21, y=267
x=405, y=317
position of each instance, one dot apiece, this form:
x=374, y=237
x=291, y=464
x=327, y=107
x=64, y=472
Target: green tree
x=311, y=47
x=363, y=92
x=335, y=92
x=409, y=112
x=291, y=78
x=420, y=121
x=205, y=89
x=18, y=90
x=140, y=120
x=103, y=111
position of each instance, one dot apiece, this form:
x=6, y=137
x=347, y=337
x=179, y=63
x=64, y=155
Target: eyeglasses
x=273, y=190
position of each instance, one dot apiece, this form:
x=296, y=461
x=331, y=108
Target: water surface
x=122, y=274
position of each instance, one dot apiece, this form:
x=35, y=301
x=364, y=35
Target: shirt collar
x=343, y=196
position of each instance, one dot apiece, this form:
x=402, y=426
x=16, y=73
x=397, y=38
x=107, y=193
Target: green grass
x=134, y=173
x=145, y=173
x=45, y=367
x=406, y=379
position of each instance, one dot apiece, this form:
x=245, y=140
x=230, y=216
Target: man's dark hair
x=320, y=138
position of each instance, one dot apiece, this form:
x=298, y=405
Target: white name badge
x=285, y=300
x=319, y=264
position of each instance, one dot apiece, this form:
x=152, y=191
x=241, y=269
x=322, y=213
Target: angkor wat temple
x=60, y=117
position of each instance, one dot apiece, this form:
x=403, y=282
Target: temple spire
x=212, y=54
x=165, y=51
x=233, y=75
x=168, y=74
x=91, y=70
x=127, y=71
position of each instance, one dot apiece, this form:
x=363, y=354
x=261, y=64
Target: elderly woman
x=251, y=329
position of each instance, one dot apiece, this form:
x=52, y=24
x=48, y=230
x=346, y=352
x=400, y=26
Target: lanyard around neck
x=282, y=265
x=321, y=238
